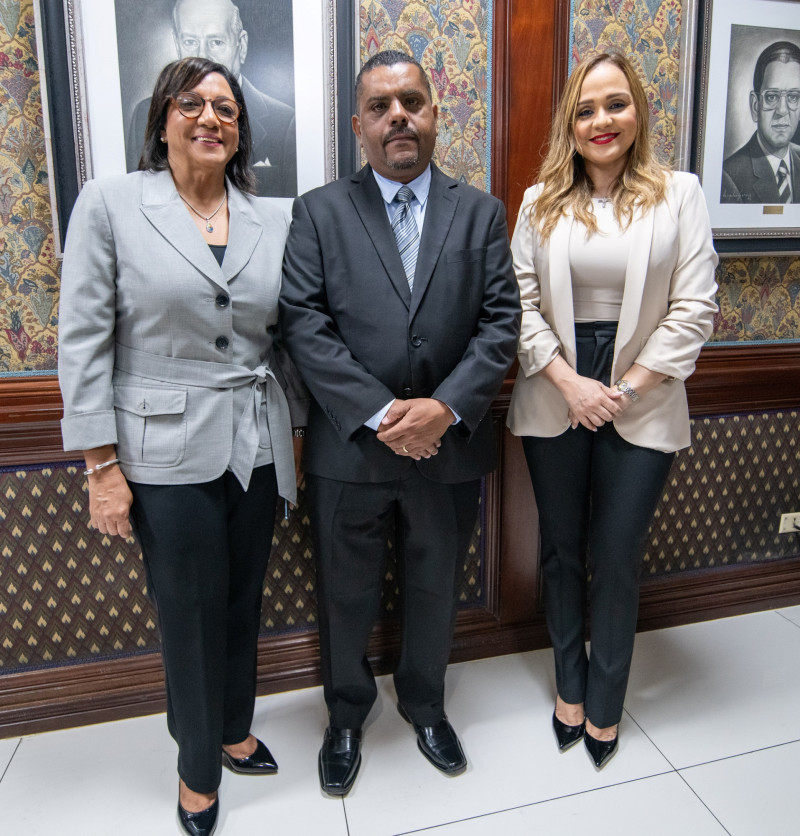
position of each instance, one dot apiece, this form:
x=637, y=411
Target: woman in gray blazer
x=174, y=390
x=615, y=263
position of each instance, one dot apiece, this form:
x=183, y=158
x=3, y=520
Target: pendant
x=209, y=228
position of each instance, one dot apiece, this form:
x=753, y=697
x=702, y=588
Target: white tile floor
x=710, y=744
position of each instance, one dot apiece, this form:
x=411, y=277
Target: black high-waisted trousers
x=596, y=494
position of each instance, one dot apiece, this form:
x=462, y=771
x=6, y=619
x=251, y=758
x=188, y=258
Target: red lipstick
x=603, y=139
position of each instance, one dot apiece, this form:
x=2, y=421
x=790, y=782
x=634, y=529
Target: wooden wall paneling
x=745, y=378
x=534, y=56
x=30, y=415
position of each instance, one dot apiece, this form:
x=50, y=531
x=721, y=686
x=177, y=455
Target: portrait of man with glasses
x=767, y=168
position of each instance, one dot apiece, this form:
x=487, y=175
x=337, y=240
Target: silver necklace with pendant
x=603, y=201
x=208, y=218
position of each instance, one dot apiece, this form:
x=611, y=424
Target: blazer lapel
x=560, y=280
x=368, y=202
x=635, y=275
x=163, y=207
x=439, y=212
x=244, y=232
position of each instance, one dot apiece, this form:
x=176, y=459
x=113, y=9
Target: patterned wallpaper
x=451, y=40
x=28, y=266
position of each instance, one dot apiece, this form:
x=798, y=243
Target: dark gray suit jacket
x=360, y=338
x=273, y=129
x=747, y=176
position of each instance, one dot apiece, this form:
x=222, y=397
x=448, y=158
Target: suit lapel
x=638, y=258
x=368, y=202
x=560, y=280
x=439, y=213
x=766, y=184
x=244, y=232
x=163, y=207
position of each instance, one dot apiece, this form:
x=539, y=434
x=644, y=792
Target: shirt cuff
x=455, y=414
x=375, y=422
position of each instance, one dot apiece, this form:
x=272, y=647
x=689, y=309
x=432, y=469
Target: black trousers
x=350, y=525
x=596, y=494
x=205, y=549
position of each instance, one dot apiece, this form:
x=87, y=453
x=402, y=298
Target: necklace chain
x=208, y=218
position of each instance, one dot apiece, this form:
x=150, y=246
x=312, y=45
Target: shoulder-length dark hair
x=178, y=77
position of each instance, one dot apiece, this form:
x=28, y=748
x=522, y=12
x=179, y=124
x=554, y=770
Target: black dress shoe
x=439, y=744
x=567, y=736
x=203, y=823
x=339, y=760
x=260, y=762
x=600, y=751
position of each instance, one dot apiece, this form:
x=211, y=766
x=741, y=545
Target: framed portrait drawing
x=102, y=57
x=744, y=120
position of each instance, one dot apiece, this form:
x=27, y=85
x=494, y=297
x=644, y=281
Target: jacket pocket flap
x=144, y=402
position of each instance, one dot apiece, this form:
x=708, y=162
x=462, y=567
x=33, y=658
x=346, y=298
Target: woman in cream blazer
x=172, y=389
x=598, y=453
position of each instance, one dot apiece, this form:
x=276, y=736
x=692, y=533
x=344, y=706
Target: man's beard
x=402, y=165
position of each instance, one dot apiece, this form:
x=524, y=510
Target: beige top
x=597, y=266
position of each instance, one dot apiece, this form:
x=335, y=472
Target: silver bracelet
x=627, y=389
x=90, y=470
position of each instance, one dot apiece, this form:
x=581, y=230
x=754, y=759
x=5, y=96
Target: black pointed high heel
x=567, y=736
x=600, y=751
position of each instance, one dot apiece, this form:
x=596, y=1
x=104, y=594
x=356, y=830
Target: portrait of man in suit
x=767, y=168
x=400, y=309
x=213, y=29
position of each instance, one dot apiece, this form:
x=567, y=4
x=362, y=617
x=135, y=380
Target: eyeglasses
x=191, y=105
x=770, y=99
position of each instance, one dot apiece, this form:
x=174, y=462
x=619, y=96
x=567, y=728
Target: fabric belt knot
x=406, y=233
x=263, y=385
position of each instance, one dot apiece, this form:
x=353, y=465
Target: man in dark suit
x=403, y=353
x=767, y=168
x=213, y=29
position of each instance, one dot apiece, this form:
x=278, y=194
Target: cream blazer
x=667, y=315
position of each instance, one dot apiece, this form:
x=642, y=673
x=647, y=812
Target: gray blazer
x=164, y=353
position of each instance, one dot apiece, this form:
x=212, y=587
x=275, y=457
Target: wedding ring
x=404, y=449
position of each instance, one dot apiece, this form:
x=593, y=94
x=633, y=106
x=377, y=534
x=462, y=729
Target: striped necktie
x=406, y=233
x=784, y=192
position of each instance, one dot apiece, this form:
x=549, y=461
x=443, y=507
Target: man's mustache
x=405, y=133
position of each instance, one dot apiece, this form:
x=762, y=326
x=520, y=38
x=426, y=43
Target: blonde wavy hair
x=567, y=186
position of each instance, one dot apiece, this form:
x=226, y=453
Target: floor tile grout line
x=786, y=618
x=534, y=803
x=8, y=765
x=346, y=822
x=697, y=796
x=677, y=772
x=737, y=755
